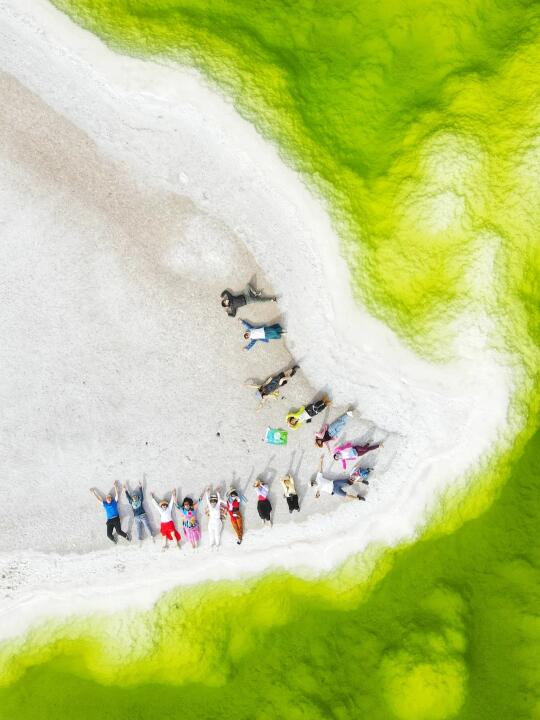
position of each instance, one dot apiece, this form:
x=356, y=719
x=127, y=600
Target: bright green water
x=419, y=121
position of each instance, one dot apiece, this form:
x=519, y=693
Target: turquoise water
x=419, y=121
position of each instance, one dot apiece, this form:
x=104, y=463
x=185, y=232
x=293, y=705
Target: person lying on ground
x=233, y=508
x=270, y=388
x=167, y=528
x=215, y=508
x=289, y=493
x=190, y=524
x=261, y=333
x=329, y=433
x=347, y=452
x=333, y=487
x=140, y=517
x=110, y=505
x=264, y=507
x=307, y=413
x=361, y=474
x=231, y=303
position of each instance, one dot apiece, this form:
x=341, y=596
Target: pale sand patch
x=113, y=338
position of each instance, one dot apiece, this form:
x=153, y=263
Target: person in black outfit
x=271, y=387
x=232, y=303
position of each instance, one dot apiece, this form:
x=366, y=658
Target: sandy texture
x=130, y=194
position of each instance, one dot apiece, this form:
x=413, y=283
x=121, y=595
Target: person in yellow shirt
x=307, y=413
x=289, y=492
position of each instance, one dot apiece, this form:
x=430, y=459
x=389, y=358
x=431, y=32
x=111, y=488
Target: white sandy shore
x=132, y=193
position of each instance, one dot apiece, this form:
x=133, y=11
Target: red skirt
x=168, y=530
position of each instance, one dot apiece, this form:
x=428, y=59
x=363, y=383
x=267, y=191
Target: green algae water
x=452, y=630
x=419, y=122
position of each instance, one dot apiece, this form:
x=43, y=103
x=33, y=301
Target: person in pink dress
x=190, y=523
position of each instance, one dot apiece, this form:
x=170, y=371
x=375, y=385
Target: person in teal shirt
x=140, y=518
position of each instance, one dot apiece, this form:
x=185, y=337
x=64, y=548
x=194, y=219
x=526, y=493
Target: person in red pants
x=233, y=508
x=167, y=529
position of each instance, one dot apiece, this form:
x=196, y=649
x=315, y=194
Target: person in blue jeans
x=333, y=487
x=330, y=433
x=110, y=505
x=139, y=514
x=262, y=333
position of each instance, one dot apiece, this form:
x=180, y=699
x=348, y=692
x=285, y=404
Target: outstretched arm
x=247, y=325
x=250, y=344
x=96, y=495
x=116, y=495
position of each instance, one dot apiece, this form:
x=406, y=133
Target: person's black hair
x=187, y=500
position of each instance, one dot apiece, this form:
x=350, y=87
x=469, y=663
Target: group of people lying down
x=216, y=506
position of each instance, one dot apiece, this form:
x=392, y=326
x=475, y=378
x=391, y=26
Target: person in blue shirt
x=110, y=505
x=264, y=333
x=139, y=514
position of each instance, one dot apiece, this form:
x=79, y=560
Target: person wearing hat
x=110, y=506
x=167, y=528
x=140, y=518
x=233, y=508
x=214, y=509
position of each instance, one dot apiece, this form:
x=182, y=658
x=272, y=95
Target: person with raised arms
x=322, y=484
x=167, y=528
x=348, y=452
x=190, y=523
x=233, y=508
x=271, y=387
x=261, y=333
x=140, y=518
x=110, y=506
x=215, y=509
